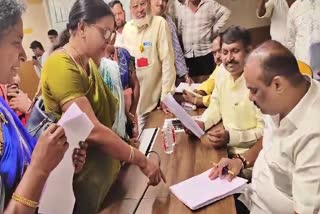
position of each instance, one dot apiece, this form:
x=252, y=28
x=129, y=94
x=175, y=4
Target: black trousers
x=203, y=65
x=240, y=207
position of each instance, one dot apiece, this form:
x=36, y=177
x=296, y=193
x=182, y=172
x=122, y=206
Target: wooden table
x=131, y=194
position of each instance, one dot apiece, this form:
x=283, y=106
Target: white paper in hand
x=183, y=116
x=58, y=196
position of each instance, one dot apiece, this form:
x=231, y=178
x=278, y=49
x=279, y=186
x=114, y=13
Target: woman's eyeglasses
x=107, y=34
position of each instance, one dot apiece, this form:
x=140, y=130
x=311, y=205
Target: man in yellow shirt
x=206, y=88
x=148, y=39
x=242, y=120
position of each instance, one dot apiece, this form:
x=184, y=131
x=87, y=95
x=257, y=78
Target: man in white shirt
x=120, y=19
x=286, y=173
x=303, y=28
x=277, y=11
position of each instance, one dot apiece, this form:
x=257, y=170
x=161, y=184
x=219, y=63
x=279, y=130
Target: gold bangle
x=25, y=201
x=131, y=156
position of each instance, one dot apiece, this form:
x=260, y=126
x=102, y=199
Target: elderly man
x=205, y=89
x=197, y=21
x=148, y=39
x=286, y=172
x=242, y=121
x=159, y=8
x=120, y=19
x=277, y=11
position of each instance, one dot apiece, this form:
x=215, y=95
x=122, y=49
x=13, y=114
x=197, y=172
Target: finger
x=58, y=133
x=229, y=177
x=51, y=128
x=65, y=147
x=165, y=110
x=214, y=173
x=83, y=145
x=12, y=94
x=82, y=153
x=163, y=176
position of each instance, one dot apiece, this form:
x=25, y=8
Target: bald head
x=275, y=60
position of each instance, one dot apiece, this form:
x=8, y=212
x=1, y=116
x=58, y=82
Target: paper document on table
x=148, y=136
x=185, y=86
x=57, y=196
x=183, y=116
x=199, y=191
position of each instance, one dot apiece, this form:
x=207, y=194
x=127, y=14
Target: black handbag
x=39, y=120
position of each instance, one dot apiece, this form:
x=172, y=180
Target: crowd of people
x=263, y=99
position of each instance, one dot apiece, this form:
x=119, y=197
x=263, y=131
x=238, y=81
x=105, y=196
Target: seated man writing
x=242, y=121
x=286, y=172
x=206, y=88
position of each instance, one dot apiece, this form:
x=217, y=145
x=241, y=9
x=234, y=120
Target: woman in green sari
x=70, y=76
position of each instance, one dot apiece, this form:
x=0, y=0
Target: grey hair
x=10, y=13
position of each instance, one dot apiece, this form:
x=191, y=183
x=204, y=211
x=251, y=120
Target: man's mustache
x=233, y=62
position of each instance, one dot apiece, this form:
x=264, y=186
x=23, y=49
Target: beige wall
x=36, y=25
x=244, y=13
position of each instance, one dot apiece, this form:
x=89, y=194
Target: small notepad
x=199, y=191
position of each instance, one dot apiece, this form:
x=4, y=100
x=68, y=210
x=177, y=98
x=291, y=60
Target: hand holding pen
x=226, y=168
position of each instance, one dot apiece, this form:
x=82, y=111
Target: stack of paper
x=199, y=191
x=185, y=86
x=58, y=196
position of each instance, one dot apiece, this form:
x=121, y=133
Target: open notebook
x=199, y=191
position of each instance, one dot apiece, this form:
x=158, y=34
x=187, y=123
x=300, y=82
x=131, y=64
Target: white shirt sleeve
x=269, y=5
x=291, y=32
x=306, y=176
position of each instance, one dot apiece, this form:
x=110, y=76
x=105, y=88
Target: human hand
x=134, y=142
x=218, y=138
x=200, y=123
x=20, y=102
x=153, y=172
x=50, y=149
x=235, y=165
x=188, y=79
x=164, y=108
x=79, y=157
x=189, y=97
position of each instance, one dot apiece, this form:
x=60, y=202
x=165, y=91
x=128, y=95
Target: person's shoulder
x=158, y=19
x=127, y=26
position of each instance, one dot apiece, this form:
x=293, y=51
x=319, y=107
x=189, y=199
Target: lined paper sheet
x=199, y=191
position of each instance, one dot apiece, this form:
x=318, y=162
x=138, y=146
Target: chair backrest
x=305, y=69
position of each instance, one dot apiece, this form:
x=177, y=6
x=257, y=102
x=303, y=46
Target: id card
x=142, y=62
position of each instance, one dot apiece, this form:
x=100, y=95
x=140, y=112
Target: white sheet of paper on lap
x=199, y=191
x=185, y=86
x=58, y=196
x=183, y=116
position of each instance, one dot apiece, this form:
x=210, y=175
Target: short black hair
x=277, y=60
x=114, y=2
x=235, y=34
x=36, y=44
x=216, y=35
x=52, y=32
